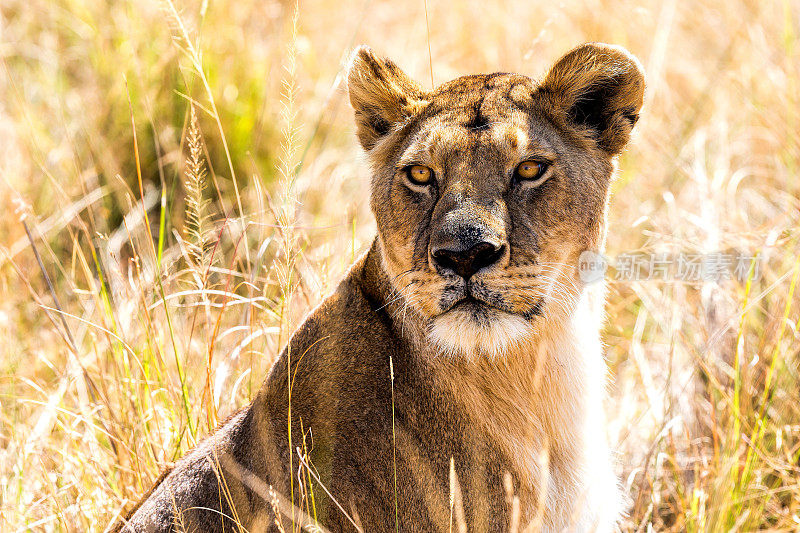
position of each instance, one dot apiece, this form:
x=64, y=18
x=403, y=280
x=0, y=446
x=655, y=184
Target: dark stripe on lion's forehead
x=469, y=92
x=479, y=83
x=478, y=121
x=478, y=102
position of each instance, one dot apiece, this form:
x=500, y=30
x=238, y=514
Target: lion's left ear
x=381, y=94
x=599, y=87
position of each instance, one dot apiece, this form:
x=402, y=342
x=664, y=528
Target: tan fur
x=548, y=399
x=533, y=385
x=412, y=366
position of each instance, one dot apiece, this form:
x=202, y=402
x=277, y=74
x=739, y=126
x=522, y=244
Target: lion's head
x=487, y=189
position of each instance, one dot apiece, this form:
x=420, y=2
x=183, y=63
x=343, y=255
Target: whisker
x=399, y=294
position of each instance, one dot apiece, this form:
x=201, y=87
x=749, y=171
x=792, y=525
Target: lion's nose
x=467, y=262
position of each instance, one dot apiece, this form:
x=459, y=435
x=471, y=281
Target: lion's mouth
x=479, y=307
x=470, y=303
x=467, y=300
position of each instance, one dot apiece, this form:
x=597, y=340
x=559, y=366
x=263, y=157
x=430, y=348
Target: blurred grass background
x=175, y=293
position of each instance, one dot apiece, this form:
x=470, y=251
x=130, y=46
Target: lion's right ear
x=381, y=94
x=599, y=88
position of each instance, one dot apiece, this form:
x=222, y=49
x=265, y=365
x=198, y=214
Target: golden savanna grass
x=190, y=180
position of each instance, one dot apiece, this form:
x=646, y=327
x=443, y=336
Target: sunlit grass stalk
x=394, y=450
x=200, y=243
x=195, y=57
x=157, y=277
x=732, y=507
x=196, y=204
x=286, y=221
x=311, y=504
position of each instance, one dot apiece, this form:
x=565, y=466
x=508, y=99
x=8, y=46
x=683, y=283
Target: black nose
x=465, y=263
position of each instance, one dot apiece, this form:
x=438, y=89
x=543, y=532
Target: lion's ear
x=381, y=94
x=601, y=88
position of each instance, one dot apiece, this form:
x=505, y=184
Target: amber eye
x=531, y=170
x=420, y=175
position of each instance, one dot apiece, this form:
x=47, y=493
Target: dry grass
x=170, y=324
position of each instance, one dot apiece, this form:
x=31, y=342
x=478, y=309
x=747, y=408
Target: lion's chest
x=535, y=419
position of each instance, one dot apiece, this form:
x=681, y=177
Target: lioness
x=455, y=376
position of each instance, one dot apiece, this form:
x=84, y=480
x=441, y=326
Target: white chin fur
x=459, y=333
